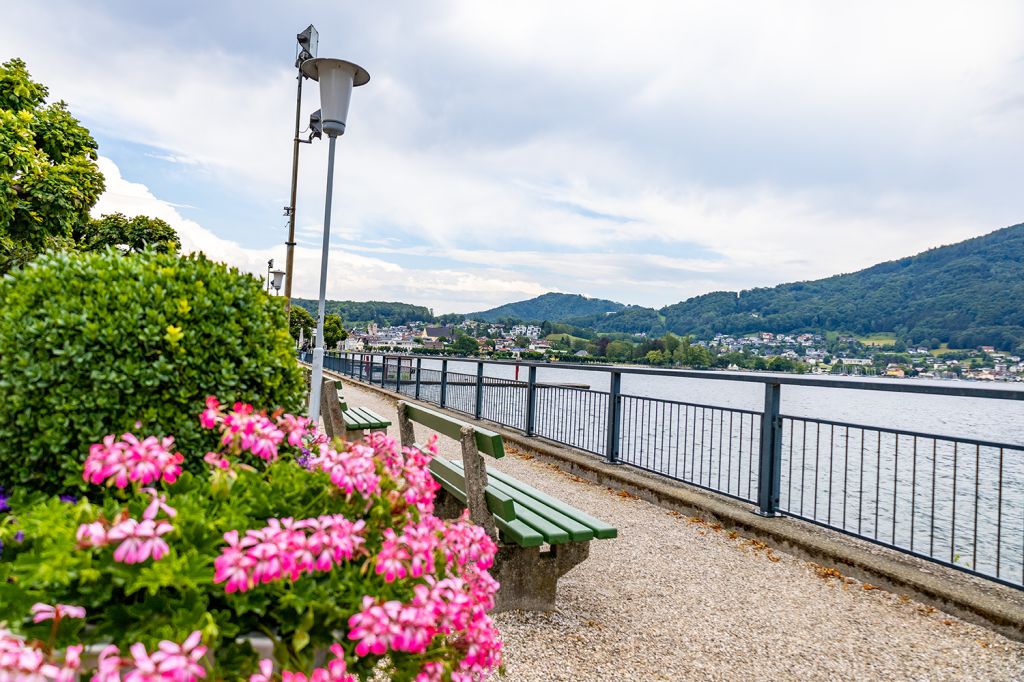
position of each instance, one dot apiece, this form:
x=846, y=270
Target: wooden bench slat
x=453, y=480
x=553, y=535
x=578, y=532
x=487, y=442
x=518, y=533
x=602, y=530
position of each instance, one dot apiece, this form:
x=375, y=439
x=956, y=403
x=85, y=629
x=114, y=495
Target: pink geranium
x=41, y=612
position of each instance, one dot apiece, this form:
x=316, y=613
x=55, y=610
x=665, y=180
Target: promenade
x=673, y=598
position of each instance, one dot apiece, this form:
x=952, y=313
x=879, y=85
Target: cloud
x=351, y=275
x=643, y=156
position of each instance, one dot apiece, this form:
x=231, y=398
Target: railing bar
x=878, y=481
x=977, y=482
x=931, y=530
x=919, y=434
x=750, y=458
x=860, y=486
x=952, y=535
x=728, y=462
x=913, y=494
x=703, y=415
x=721, y=425
x=739, y=464
x=999, y=514
x=831, y=468
x=817, y=465
x=846, y=473
x=683, y=402
x=895, y=485
x=803, y=467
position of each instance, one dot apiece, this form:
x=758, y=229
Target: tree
x=128, y=235
x=48, y=174
x=466, y=344
x=301, y=319
x=333, y=331
x=524, y=342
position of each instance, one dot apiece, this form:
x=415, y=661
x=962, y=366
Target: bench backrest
x=487, y=442
x=341, y=399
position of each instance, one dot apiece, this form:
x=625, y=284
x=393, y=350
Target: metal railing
x=954, y=500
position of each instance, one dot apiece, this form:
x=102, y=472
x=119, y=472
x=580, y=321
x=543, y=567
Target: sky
x=643, y=152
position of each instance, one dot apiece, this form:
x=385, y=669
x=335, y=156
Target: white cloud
x=524, y=148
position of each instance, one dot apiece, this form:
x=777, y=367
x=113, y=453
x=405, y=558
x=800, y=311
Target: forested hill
x=966, y=294
x=381, y=312
x=552, y=307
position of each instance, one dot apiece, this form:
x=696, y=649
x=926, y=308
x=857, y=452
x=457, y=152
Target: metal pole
x=531, y=399
x=614, y=412
x=769, y=480
x=479, y=390
x=290, y=259
x=318, y=350
x=419, y=366
x=443, y=398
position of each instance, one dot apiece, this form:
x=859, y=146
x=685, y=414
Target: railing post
x=479, y=390
x=419, y=366
x=362, y=363
x=614, y=413
x=531, y=400
x=383, y=369
x=769, y=479
x=444, y=384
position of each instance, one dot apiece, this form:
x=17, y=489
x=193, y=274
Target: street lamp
x=306, y=50
x=337, y=78
x=277, y=277
x=270, y=265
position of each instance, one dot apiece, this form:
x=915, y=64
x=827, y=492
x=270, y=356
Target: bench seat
x=523, y=519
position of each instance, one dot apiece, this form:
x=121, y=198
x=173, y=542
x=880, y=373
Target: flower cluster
x=335, y=671
x=129, y=460
x=353, y=469
x=170, y=661
x=138, y=541
x=287, y=548
x=245, y=430
x=41, y=612
x=19, y=660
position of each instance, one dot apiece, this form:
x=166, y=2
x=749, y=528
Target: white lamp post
x=276, y=279
x=337, y=78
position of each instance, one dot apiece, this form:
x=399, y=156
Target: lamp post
x=337, y=78
x=307, y=44
x=276, y=277
x=270, y=266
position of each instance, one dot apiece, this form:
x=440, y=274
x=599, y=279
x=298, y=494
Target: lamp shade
x=337, y=78
x=278, y=277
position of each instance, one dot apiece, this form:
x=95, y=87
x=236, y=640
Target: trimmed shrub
x=90, y=344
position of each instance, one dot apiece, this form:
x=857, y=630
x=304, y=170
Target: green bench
x=343, y=421
x=539, y=537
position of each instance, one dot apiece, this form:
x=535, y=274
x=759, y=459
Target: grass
x=570, y=337
x=880, y=339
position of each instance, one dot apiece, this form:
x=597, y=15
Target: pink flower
x=211, y=416
x=92, y=535
x=120, y=462
x=139, y=540
x=41, y=612
x=171, y=661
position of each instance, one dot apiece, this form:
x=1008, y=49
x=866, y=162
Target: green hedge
x=90, y=344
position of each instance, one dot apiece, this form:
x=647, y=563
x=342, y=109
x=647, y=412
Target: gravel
x=674, y=598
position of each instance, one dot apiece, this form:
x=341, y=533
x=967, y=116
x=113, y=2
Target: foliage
x=334, y=331
x=48, y=174
x=551, y=306
x=381, y=312
x=128, y=235
x=267, y=538
x=300, y=318
x=465, y=345
x=94, y=342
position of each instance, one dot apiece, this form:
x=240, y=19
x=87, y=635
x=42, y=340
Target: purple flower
x=19, y=537
x=305, y=458
x=3, y=501
x=70, y=499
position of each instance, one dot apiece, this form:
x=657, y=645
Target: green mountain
x=965, y=294
x=551, y=307
x=381, y=312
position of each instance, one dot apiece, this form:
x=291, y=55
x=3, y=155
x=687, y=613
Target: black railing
x=954, y=500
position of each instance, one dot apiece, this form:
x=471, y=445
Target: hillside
x=552, y=307
x=381, y=312
x=964, y=294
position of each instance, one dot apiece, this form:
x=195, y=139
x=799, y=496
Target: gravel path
x=673, y=598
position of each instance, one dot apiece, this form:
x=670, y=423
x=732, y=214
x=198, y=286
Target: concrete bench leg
x=529, y=577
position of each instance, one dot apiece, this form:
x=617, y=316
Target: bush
x=93, y=343
x=335, y=550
